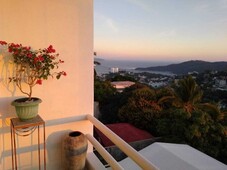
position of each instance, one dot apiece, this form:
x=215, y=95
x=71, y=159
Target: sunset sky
x=174, y=30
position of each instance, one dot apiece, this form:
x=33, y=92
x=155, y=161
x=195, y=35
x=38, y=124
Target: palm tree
x=187, y=94
x=214, y=111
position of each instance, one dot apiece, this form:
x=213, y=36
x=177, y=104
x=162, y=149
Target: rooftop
x=126, y=131
x=120, y=85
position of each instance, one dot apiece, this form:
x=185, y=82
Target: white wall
x=68, y=26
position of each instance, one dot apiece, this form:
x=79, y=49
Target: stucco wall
x=68, y=26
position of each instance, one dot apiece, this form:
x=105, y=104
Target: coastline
x=129, y=66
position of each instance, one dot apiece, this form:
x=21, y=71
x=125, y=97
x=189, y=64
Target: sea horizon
x=132, y=64
x=129, y=65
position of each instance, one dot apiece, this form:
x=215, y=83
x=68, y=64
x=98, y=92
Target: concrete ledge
x=93, y=163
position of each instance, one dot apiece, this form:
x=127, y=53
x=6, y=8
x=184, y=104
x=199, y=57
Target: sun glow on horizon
x=161, y=30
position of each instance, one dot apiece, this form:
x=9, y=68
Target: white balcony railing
x=126, y=148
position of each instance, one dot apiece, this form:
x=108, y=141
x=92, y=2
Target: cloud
x=112, y=25
x=107, y=22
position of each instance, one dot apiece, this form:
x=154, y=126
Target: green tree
x=106, y=95
x=142, y=107
x=177, y=114
x=103, y=90
x=119, y=77
x=201, y=125
x=109, y=108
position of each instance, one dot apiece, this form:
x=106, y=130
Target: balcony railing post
x=126, y=148
x=108, y=158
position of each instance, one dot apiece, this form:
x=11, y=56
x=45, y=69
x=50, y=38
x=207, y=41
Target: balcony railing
x=140, y=160
x=126, y=148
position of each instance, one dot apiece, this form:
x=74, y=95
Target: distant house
x=220, y=83
x=121, y=85
x=157, y=84
x=193, y=73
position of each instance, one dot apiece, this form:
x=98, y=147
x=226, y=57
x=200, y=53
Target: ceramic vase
x=75, y=149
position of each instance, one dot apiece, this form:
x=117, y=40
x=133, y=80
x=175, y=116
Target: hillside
x=189, y=66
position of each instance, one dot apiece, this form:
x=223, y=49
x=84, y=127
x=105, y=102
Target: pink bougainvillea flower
x=39, y=82
x=27, y=48
x=38, y=59
x=10, y=50
x=40, y=64
x=3, y=42
x=50, y=49
x=29, y=55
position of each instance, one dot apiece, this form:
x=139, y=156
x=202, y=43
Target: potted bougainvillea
x=31, y=67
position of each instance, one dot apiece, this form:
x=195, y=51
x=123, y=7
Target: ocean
x=128, y=65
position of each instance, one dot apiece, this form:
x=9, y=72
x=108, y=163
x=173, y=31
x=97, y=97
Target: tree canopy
x=176, y=114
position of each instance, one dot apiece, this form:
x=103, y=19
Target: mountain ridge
x=189, y=66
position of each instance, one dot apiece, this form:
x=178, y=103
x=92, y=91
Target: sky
x=161, y=30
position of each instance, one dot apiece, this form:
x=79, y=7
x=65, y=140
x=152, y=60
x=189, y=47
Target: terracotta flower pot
x=26, y=110
x=75, y=149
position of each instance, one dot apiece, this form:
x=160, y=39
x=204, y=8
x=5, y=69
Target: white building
x=114, y=70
